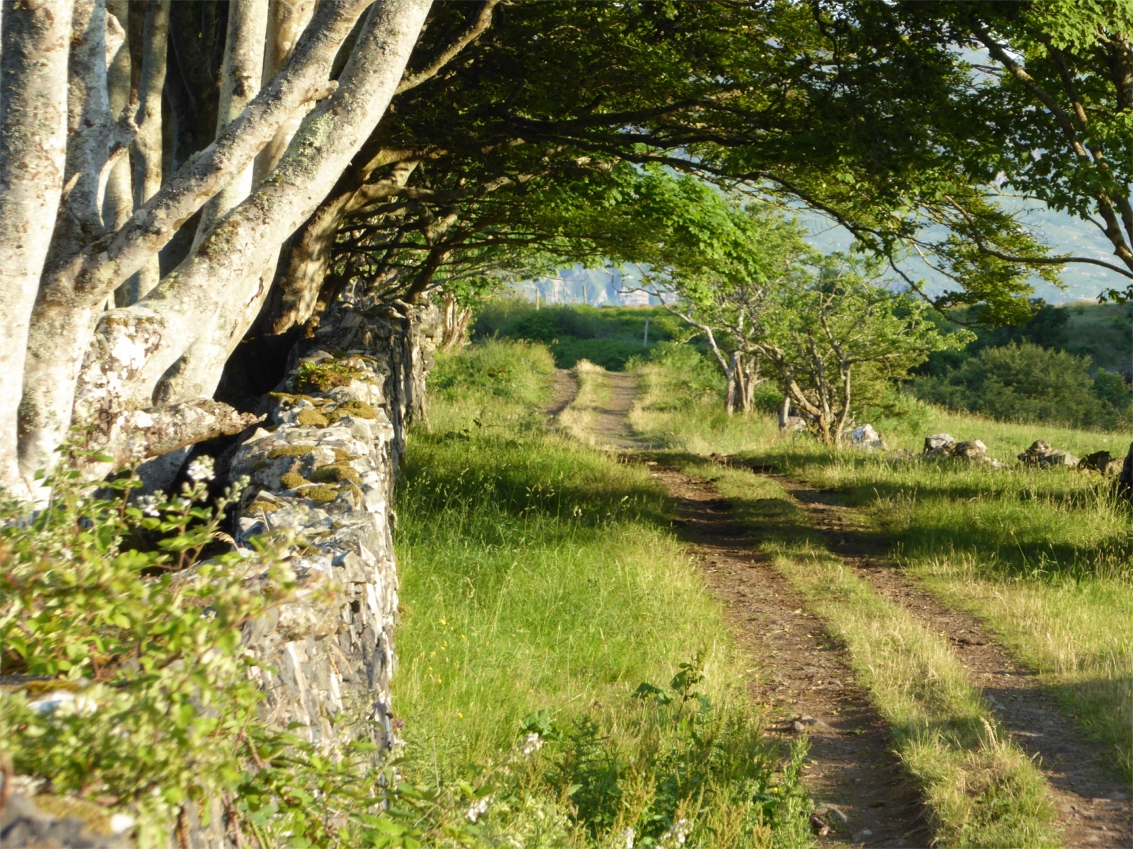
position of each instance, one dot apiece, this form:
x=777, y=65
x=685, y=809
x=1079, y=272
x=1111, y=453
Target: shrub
x=512, y=370
x=1027, y=383
x=127, y=683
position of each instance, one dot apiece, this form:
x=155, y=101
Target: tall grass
x=980, y=789
x=1044, y=557
x=540, y=587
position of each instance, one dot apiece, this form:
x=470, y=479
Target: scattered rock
x=832, y=812
x=865, y=437
x=24, y=823
x=1125, y=481
x=820, y=827
x=862, y=836
x=1041, y=455
x=973, y=450
x=1102, y=462
x=793, y=424
x=939, y=444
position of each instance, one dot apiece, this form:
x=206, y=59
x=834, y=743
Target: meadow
x=559, y=656
x=545, y=593
x=1043, y=557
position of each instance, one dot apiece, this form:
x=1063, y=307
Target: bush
x=1026, y=383
x=699, y=376
x=127, y=683
x=513, y=370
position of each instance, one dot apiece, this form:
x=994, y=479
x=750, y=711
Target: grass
x=593, y=394
x=980, y=788
x=541, y=586
x=608, y=336
x=1043, y=558
x=667, y=413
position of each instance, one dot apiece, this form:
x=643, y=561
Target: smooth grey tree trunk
x=135, y=346
x=240, y=78
x=118, y=196
x=286, y=21
x=65, y=314
x=148, y=165
x=33, y=138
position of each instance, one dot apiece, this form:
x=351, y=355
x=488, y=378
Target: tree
x=1025, y=382
x=65, y=358
x=445, y=187
x=1035, y=97
x=843, y=331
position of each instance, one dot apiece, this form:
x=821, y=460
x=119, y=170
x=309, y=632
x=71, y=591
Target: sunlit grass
x=1044, y=557
x=538, y=574
x=666, y=417
x=980, y=788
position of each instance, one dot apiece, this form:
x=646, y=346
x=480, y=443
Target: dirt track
x=862, y=794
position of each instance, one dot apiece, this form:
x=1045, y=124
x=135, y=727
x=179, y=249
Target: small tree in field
x=840, y=333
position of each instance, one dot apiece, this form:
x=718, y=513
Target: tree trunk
x=118, y=199
x=456, y=320
x=239, y=82
x=286, y=21
x=135, y=346
x=148, y=141
x=307, y=255
x=785, y=413
x=33, y=134
x=64, y=316
x=88, y=132
x=732, y=376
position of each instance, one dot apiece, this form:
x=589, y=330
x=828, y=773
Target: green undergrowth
x=541, y=588
x=980, y=789
x=1044, y=557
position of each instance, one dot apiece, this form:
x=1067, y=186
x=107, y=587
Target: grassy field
x=541, y=587
x=980, y=789
x=1044, y=558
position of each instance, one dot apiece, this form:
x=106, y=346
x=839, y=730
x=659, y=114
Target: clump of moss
x=320, y=494
x=336, y=474
x=292, y=398
x=358, y=409
x=297, y=450
x=312, y=418
x=262, y=506
x=292, y=480
x=321, y=377
x=64, y=807
x=341, y=455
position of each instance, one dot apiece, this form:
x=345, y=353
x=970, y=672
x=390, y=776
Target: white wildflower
x=630, y=835
x=680, y=831
x=201, y=469
x=149, y=505
x=477, y=809
x=532, y=744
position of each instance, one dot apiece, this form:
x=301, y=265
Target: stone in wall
x=325, y=473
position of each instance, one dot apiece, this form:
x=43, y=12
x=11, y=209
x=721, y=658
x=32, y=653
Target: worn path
x=862, y=794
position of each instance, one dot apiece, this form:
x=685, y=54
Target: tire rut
x=862, y=793
x=1092, y=798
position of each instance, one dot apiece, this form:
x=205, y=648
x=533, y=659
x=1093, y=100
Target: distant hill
x=1063, y=232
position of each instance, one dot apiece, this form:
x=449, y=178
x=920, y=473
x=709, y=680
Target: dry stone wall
x=325, y=473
